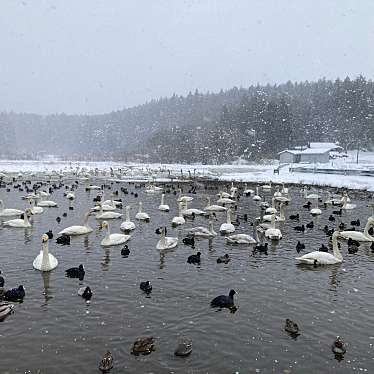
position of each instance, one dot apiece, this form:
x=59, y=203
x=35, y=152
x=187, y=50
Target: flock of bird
x=265, y=228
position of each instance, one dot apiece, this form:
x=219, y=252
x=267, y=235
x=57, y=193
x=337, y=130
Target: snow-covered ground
x=244, y=173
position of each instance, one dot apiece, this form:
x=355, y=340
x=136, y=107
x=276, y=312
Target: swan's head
x=45, y=238
x=232, y=293
x=104, y=225
x=29, y=212
x=335, y=234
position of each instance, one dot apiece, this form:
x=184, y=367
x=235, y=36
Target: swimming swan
x=166, y=242
x=358, y=235
x=179, y=220
x=127, y=225
x=324, y=258
x=142, y=216
x=78, y=230
x=8, y=212
x=228, y=227
x=112, y=239
x=19, y=222
x=45, y=261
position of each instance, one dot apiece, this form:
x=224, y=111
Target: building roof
x=325, y=145
x=292, y=151
x=314, y=151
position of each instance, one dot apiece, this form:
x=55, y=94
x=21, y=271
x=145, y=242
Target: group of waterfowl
x=264, y=228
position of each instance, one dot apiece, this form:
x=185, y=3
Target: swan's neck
x=140, y=208
x=180, y=210
x=163, y=237
x=369, y=223
x=107, y=235
x=25, y=219
x=208, y=200
x=273, y=203
x=257, y=191
x=273, y=221
x=162, y=199
x=45, y=257
x=228, y=216
x=85, y=220
x=345, y=199
x=305, y=193
x=127, y=214
x=335, y=249
x=211, y=229
x=282, y=216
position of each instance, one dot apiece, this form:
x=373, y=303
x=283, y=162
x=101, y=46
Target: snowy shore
x=241, y=173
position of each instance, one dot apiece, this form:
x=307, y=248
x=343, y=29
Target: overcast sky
x=92, y=56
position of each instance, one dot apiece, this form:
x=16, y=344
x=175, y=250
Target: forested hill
x=252, y=123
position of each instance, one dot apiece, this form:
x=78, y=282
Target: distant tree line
x=241, y=123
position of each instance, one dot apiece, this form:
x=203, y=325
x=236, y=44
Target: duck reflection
x=46, y=292
x=27, y=234
x=86, y=244
x=105, y=260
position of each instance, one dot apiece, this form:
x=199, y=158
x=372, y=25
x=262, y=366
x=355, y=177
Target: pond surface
x=56, y=331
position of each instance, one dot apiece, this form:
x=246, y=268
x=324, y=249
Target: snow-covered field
x=244, y=173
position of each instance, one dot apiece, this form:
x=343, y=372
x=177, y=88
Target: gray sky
x=92, y=56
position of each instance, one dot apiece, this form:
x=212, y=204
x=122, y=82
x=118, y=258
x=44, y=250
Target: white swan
x=228, y=227
x=111, y=202
x=358, y=235
x=106, y=206
x=153, y=189
x=127, y=225
x=163, y=207
x=78, y=230
x=19, y=222
x=315, y=211
x=203, y=232
x=8, y=212
x=191, y=211
x=346, y=205
x=267, y=186
x=45, y=203
x=183, y=199
x=107, y=214
x=257, y=197
x=45, y=261
x=142, y=216
x=247, y=191
x=112, y=239
x=277, y=193
x=166, y=242
x=323, y=258
x=241, y=239
x=35, y=209
x=179, y=220
x=284, y=189
x=225, y=200
x=214, y=208
x=280, y=218
x=273, y=233
x=272, y=209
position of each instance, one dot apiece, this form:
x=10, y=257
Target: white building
x=316, y=152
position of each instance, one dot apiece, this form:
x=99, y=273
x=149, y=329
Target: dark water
x=55, y=331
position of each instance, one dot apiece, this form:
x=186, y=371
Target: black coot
x=224, y=301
